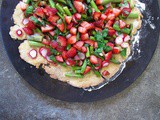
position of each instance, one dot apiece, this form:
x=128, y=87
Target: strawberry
x=116, y=50
x=84, y=49
x=122, y=24
x=53, y=19
x=52, y=33
x=96, y=15
x=100, y=7
x=78, y=45
x=105, y=64
x=47, y=28
x=45, y=41
x=111, y=32
x=69, y=26
x=50, y=11
x=84, y=36
x=108, y=56
x=60, y=48
x=95, y=45
x=109, y=24
x=31, y=25
x=116, y=12
x=82, y=30
x=68, y=19
x=81, y=55
x=54, y=44
x=73, y=31
x=99, y=2
x=88, y=69
x=110, y=44
x=80, y=63
x=74, y=20
x=111, y=16
x=90, y=42
x=39, y=11
x=103, y=17
x=59, y=58
x=61, y=27
x=79, y=6
x=64, y=55
x=71, y=52
x=87, y=25
x=72, y=39
x=70, y=62
x=62, y=40
x=105, y=73
x=98, y=29
x=28, y=31
x=93, y=59
x=77, y=16
x=98, y=23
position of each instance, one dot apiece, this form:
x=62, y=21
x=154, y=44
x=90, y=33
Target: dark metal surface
x=63, y=91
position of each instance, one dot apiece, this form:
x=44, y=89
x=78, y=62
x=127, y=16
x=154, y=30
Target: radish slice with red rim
x=125, y=45
x=19, y=32
x=118, y=40
x=44, y=51
x=33, y=53
x=25, y=21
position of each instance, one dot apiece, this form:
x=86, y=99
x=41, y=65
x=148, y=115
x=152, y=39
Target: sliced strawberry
x=61, y=27
x=52, y=33
x=39, y=11
x=79, y=6
x=98, y=66
x=69, y=26
x=88, y=69
x=109, y=24
x=99, y=23
x=77, y=16
x=84, y=49
x=73, y=31
x=60, y=48
x=54, y=44
x=68, y=36
x=46, y=42
x=111, y=16
x=93, y=59
x=70, y=62
x=116, y=50
x=103, y=17
x=122, y=24
x=95, y=45
x=82, y=30
x=126, y=11
x=80, y=63
x=98, y=29
x=90, y=42
x=116, y=12
x=110, y=45
x=78, y=45
x=59, y=58
x=105, y=63
x=62, y=40
x=28, y=31
x=71, y=52
x=84, y=36
x=31, y=25
x=108, y=10
x=108, y=56
x=23, y=6
x=87, y=25
x=68, y=19
x=81, y=56
x=74, y=20
x=100, y=7
x=111, y=32
x=96, y=15
x=50, y=11
x=64, y=55
x=53, y=19
x=105, y=73
x=99, y=2
x=47, y=28
x=72, y=39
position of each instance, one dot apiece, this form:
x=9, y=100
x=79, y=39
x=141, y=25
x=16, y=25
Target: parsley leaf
x=124, y=52
x=107, y=48
x=105, y=32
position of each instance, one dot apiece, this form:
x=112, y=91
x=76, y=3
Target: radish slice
x=23, y=6
x=68, y=36
x=44, y=51
x=25, y=21
x=48, y=59
x=33, y=53
x=105, y=63
x=81, y=56
x=127, y=38
x=125, y=45
x=19, y=32
x=119, y=41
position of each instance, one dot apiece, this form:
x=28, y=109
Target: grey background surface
x=18, y=100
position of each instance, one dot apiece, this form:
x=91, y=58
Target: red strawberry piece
x=23, y=6
x=90, y=42
x=64, y=55
x=68, y=19
x=116, y=12
x=122, y=24
x=95, y=45
x=82, y=30
x=19, y=32
x=73, y=31
x=96, y=15
x=78, y=45
x=93, y=59
x=31, y=25
x=76, y=57
x=108, y=10
x=105, y=64
x=61, y=27
x=46, y=42
x=110, y=45
x=109, y=24
x=116, y=50
x=53, y=19
x=28, y=31
x=98, y=29
x=50, y=11
x=60, y=48
x=111, y=16
x=105, y=73
x=88, y=69
x=68, y=36
x=100, y=7
x=99, y=64
x=99, y=2
x=52, y=33
x=70, y=62
x=44, y=52
x=84, y=49
x=62, y=40
x=81, y=55
x=54, y=44
x=98, y=23
x=39, y=11
x=71, y=52
x=79, y=6
x=87, y=25
x=77, y=16
x=72, y=39
x=126, y=11
x=84, y=36
x=69, y=26
x=74, y=20
x=47, y=28
x=111, y=32
x=103, y=17
x=59, y=58
x=108, y=56
x=80, y=63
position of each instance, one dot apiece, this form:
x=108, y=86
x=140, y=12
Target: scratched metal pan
x=41, y=81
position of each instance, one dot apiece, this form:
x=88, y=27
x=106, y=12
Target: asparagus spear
x=52, y=4
x=93, y=4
